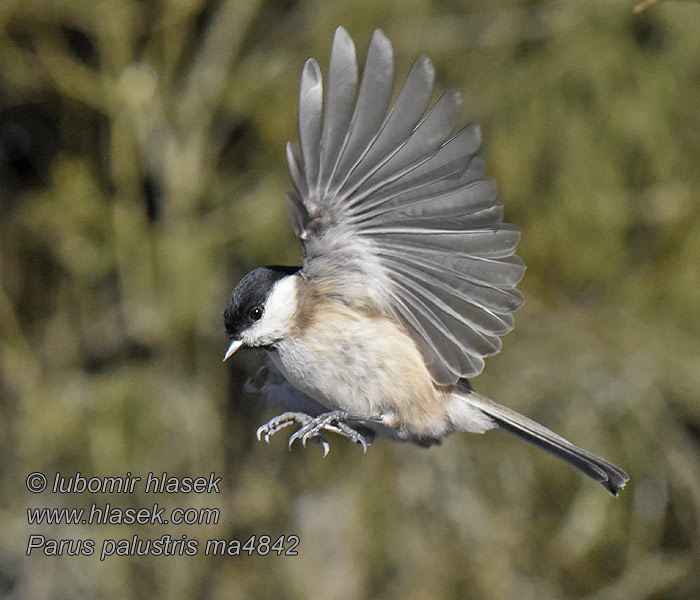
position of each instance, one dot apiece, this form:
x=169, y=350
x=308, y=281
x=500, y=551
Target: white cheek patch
x=278, y=314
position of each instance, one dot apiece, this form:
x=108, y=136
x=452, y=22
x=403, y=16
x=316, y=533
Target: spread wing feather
x=310, y=108
x=340, y=101
x=372, y=103
x=396, y=212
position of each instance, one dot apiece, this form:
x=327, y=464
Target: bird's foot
x=337, y=422
x=311, y=428
x=266, y=431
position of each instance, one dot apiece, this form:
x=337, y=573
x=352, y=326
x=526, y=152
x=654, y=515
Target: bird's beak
x=232, y=347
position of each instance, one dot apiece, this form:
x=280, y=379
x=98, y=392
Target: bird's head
x=261, y=308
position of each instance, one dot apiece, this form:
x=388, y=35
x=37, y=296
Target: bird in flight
x=409, y=272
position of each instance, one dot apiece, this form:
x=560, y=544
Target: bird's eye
x=256, y=313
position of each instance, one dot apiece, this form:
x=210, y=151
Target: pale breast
x=350, y=360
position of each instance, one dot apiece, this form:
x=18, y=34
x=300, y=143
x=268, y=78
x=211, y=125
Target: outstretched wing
x=394, y=211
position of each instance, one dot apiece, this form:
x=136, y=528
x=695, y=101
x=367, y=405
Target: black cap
x=251, y=291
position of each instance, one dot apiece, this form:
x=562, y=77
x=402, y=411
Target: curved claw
x=353, y=435
x=292, y=439
x=311, y=427
x=279, y=422
x=306, y=437
x=363, y=442
x=319, y=439
x=264, y=433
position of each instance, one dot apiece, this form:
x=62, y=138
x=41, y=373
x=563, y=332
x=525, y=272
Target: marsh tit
x=408, y=276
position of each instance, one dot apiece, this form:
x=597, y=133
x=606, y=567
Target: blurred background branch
x=142, y=173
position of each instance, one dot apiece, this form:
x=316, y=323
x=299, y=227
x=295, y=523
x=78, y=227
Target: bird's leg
x=337, y=422
x=279, y=422
x=311, y=427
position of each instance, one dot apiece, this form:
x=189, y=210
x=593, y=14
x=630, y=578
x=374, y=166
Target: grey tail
x=611, y=477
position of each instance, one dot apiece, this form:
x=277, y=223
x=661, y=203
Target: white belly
x=364, y=365
x=338, y=376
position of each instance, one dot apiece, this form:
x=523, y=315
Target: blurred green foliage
x=142, y=173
